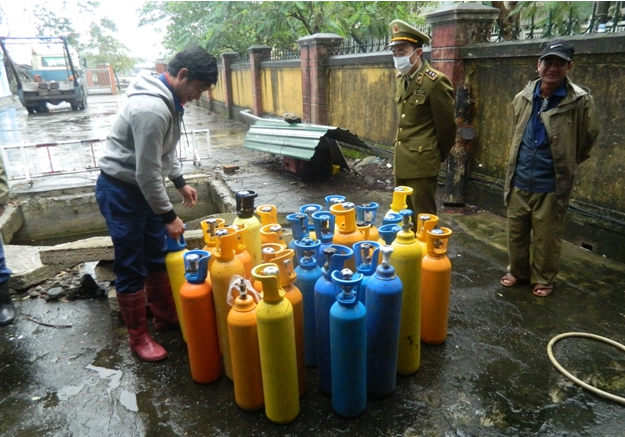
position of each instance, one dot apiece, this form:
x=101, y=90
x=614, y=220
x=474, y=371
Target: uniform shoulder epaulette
x=432, y=74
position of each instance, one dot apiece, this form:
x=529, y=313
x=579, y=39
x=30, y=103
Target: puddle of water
x=129, y=400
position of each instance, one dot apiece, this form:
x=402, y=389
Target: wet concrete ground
x=492, y=376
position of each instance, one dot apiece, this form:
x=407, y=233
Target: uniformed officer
x=427, y=122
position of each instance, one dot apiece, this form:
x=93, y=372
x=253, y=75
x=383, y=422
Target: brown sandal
x=543, y=290
x=508, y=280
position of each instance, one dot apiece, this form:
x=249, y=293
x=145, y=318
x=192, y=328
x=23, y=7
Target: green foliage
x=555, y=17
x=221, y=26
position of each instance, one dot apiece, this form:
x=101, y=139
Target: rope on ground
x=575, y=379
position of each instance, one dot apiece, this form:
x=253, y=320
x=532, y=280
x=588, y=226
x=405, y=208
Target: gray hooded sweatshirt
x=141, y=146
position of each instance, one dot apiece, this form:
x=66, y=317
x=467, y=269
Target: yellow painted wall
x=218, y=93
x=242, y=88
x=360, y=99
x=282, y=90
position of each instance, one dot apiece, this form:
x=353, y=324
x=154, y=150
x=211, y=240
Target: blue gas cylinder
x=388, y=233
x=299, y=230
x=308, y=272
x=333, y=199
x=366, y=254
x=348, y=345
x=325, y=297
x=392, y=218
x=324, y=232
x=384, y=292
x=309, y=210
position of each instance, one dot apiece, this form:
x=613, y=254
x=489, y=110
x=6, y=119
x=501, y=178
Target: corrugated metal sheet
x=312, y=143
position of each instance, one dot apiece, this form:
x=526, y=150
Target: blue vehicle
x=57, y=76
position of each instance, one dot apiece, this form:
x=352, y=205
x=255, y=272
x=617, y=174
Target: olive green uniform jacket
x=4, y=185
x=427, y=123
x=572, y=130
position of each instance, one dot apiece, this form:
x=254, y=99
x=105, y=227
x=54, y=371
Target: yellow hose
x=573, y=378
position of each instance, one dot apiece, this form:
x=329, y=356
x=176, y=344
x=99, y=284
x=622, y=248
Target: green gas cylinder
x=276, y=339
x=284, y=261
x=347, y=233
x=222, y=270
x=406, y=259
x=245, y=214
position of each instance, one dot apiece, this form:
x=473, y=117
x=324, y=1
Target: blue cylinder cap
x=346, y=282
x=196, y=266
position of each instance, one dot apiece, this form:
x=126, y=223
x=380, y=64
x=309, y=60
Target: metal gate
x=100, y=80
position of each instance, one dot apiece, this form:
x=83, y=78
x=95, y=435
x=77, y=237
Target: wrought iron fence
x=280, y=55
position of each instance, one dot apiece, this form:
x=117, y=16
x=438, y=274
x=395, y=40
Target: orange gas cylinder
x=272, y=233
x=222, y=271
x=241, y=252
x=287, y=276
x=244, y=349
x=268, y=253
x=198, y=309
x=347, y=233
x=364, y=229
x=209, y=226
x=399, y=199
x=268, y=214
x=367, y=213
x=425, y=223
x=435, y=287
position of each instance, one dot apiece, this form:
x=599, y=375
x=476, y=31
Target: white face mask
x=402, y=63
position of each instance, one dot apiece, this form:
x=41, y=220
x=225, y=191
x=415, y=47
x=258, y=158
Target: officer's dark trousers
x=138, y=234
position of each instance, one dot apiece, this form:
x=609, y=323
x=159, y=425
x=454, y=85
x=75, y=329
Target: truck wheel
x=75, y=106
x=31, y=109
x=43, y=108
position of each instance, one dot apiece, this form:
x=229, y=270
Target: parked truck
x=57, y=75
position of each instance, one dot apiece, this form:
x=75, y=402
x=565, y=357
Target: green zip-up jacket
x=572, y=130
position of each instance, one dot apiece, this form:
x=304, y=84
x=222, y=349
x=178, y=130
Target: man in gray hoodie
x=140, y=153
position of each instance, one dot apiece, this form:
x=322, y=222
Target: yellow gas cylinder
x=268, y=214
x=269, y=252
x=425, y=223
x=276, y=338
x=284, y=261
x=348, y=233
x=174, y=263
x=243, y=336
x=245, y=214
x=241, y=252
x=435, y=287
x=272, y=233
x=399, y=199
x=406, y=259
x=364, y=229
x=209, y=226
x=222, y=270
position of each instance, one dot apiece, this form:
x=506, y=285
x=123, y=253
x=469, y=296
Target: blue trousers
x=138, y=234
x=5, y=272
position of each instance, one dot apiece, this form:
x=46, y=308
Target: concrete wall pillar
x=315, y=50
x=256, y=55
x=226, y=61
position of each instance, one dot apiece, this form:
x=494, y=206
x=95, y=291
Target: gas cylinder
x=287, y=276
x=309, y=210
x=335, y=199
x=244, y=350
x=276, y=339
x=174, y=263
x=348, y=345
x=406, y=259
x=324, y=232
x=384, y=291
x=241, y=252
x=299, y=230
x=366, y=256
x=269, y=252
x=388, y=233
x=399, y=199
x=308, y=272
x=364, y=229
x=209, y=226
x=272, y=233
x=391, y=218
x=367, y=213
x=336, y=256
x=245, y=214
x=347, y=233
x=198, y=310
x=222, y=271
x=268, y=214
x=435, y=287
x=425, y=223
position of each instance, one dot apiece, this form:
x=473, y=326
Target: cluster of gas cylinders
x=351, y=299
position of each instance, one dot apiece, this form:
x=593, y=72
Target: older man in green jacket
x=555, y=128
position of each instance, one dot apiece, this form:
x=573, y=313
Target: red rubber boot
x=161, y=301
x=132, y=307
